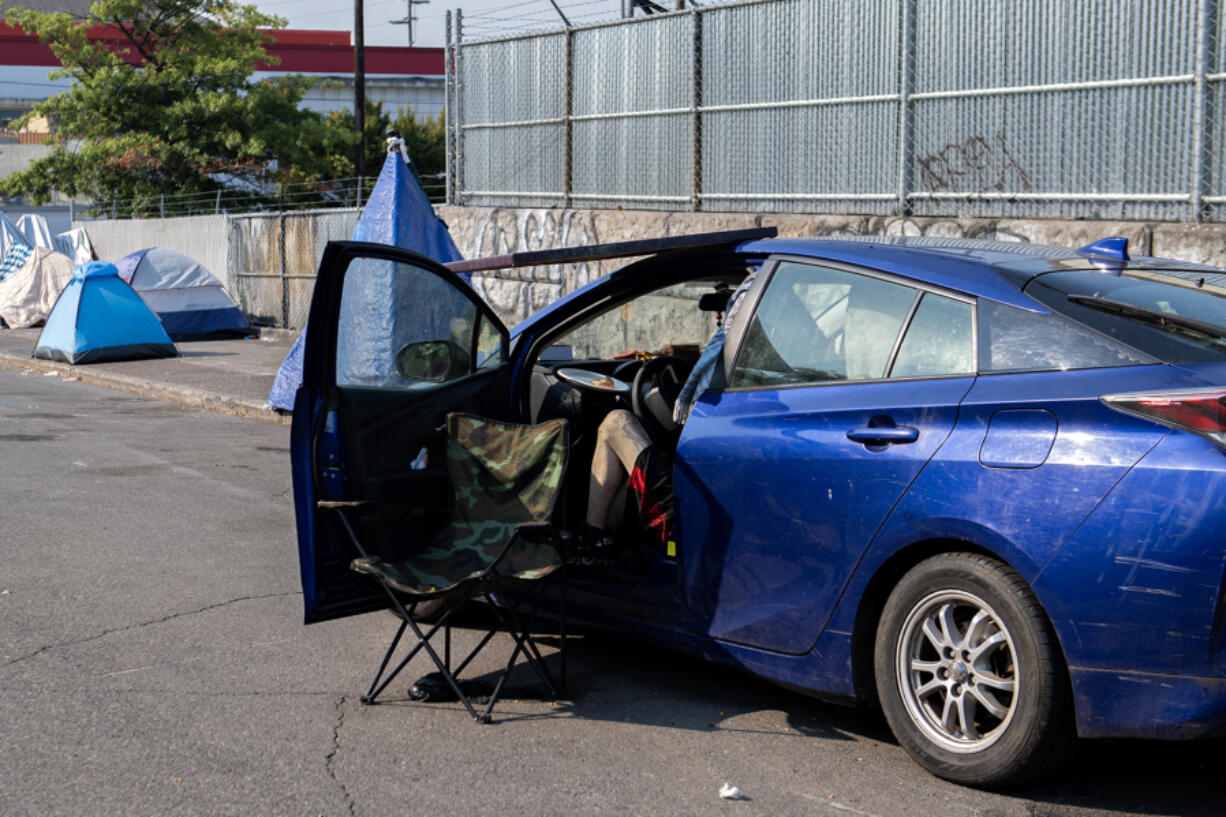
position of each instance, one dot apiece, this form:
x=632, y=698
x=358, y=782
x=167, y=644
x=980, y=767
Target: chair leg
x=423, y=641
x=369, y=697
x=522, y=636
x=407, y=621
x=562, y=634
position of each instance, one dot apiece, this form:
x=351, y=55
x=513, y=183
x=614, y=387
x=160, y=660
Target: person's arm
x=704, y=369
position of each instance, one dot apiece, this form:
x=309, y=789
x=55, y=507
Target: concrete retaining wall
x=518, y=293
x=515, y=295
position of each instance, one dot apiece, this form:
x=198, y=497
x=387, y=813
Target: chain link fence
x=266, y=261
x=1032, y=108
x=274, y=259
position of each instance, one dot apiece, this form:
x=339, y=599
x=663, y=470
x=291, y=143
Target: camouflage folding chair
x=506, y=479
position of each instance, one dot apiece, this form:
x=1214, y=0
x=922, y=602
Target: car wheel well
x=872, y=601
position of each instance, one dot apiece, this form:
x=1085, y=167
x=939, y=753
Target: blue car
x=981, y=485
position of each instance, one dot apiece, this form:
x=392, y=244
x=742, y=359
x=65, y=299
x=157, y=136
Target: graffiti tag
x=978, y=164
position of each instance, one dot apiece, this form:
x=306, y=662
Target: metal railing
x=1030, y=108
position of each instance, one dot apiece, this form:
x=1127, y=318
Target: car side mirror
x=434, y=361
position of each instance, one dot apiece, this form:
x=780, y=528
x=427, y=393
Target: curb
x=185, y=395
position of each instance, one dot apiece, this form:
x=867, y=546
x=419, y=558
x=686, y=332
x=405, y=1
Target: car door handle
x=883, y=435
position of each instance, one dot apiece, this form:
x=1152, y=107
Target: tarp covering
x=99, y=317
x=9, y=234
x=35, y=230
x=14, y=258
x=27, y=296
x=76, y=245
x=189, y=300
x=31, y=230
x=397, y=213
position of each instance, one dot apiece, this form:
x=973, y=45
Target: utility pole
x=359, y=91
x=408, y=17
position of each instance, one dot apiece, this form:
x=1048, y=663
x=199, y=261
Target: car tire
x=970, y=675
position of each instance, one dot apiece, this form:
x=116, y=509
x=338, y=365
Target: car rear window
x=1134, y=308
x=1018, y=340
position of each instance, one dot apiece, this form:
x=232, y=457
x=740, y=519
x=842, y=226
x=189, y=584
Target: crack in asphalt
x=336, y=748
x=48, y=647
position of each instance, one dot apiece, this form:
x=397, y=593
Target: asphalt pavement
x=231, y=376
x=153, y=659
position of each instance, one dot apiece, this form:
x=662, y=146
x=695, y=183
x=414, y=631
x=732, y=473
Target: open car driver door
x=395, y=342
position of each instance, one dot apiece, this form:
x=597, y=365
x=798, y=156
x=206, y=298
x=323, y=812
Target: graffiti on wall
x=979, y=164
x=517, y=293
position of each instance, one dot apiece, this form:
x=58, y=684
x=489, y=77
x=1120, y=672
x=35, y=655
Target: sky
x=483, y=18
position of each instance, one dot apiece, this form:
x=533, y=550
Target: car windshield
x=1177, y=319
x=670, y=316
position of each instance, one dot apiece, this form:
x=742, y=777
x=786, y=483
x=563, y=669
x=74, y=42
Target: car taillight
x=1200, y=411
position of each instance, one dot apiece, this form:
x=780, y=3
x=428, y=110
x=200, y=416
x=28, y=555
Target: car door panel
x=359, y=435
x=777, y=504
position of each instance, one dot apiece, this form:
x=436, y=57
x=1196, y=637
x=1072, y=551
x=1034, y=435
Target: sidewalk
x=233, y=376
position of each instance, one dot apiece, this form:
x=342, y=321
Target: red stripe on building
x=325, y=52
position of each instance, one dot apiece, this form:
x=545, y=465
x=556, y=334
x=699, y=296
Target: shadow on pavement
x=621, y=680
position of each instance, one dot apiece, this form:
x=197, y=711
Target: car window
x=815, y=324
x=939, y=340
x=1134, y=307
x=390, y=309
x=667, y=316
x=1013, y=340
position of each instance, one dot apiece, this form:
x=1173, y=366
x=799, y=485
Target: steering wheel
x=651, y=374
x=595, y=381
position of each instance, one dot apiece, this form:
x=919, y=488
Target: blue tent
x=397, y=213
x=99, y=317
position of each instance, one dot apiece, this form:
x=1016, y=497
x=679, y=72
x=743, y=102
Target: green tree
x=424, y=139
x=173, y=108
x=338, y=139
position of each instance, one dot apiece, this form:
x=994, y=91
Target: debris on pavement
x=730, y=792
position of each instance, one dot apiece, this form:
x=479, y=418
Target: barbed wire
x=268, y=198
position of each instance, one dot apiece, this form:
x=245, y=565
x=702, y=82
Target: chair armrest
x=338, y=504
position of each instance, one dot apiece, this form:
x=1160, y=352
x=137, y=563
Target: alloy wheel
x=956, y=671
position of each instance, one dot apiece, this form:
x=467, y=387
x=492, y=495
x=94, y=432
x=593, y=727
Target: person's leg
x=619, y=441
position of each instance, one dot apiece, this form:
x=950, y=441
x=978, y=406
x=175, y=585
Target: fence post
x=217, y=203
x=458, y=93
x=162, y=206
x=696, y=114
x=448, y=110
x=281, y=242
x=568, y=126
x=1200, y=115
x=906, y=107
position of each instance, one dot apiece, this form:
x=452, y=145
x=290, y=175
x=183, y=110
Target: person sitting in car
x=625, y=455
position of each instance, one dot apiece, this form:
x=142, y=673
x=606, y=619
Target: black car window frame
x=736, y=335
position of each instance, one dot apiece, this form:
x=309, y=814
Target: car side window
x=403, y=327
x=1018, y=340
x=815, y=324
x=939, y=340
